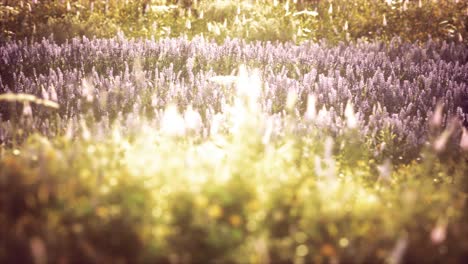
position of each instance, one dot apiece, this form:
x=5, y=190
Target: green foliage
x=243, y=196
x=155, y=197
x=339, y=20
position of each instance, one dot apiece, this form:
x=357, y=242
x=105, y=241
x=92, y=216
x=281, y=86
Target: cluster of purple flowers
x=395, y=85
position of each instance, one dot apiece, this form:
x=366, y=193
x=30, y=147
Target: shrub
x=263, y=20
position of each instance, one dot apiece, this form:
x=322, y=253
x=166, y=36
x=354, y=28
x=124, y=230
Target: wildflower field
x=233, y=131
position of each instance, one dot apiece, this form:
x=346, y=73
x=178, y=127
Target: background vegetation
x=299, y=20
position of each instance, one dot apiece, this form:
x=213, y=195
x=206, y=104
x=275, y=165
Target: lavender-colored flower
x=405, y=80
x=464, y=140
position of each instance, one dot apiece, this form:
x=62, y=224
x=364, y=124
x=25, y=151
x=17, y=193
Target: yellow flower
x=215, y=211
x=235, y=220
x=201, y=201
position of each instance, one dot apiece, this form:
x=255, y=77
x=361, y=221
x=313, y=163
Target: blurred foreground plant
x=248, y=192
